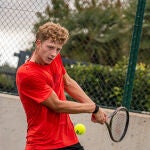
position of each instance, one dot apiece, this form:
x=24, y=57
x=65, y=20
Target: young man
x=41, y=84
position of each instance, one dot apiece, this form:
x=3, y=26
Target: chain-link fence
x=97, y=52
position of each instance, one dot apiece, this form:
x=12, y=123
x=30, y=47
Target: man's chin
x=48, y=62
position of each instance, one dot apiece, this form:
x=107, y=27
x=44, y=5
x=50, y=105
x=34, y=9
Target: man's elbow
x=58, y=107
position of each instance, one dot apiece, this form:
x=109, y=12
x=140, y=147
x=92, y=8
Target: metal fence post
x=22, y=57
x=135, y=43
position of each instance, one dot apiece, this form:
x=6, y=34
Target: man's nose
x=54, y=53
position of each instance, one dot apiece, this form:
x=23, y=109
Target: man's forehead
x=51, y=43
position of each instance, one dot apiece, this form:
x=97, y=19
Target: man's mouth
x=50, y=59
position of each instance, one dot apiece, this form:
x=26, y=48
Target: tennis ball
x=80, y=129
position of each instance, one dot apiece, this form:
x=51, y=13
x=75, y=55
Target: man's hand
x=99, y=117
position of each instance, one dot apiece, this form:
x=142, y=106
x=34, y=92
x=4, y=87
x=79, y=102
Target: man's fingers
x=99, y=117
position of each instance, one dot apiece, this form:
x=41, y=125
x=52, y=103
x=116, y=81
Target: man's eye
x=50, y=47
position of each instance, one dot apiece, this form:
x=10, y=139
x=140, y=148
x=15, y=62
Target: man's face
x=46, y=51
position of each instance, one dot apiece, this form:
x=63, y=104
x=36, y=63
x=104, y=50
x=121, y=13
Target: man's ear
x=38, y=43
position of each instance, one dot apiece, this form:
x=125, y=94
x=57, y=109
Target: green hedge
x=7, y=84
x=105, y=84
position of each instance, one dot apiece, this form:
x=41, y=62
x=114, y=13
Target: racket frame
x=110, y=123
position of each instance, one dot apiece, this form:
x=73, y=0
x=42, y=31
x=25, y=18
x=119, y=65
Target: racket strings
x=118, y=125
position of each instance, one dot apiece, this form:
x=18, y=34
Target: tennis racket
x=117, y=124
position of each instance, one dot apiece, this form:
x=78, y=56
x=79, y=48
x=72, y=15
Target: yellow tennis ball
x=80, y=129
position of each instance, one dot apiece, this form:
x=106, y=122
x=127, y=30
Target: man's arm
x=84, y=104
x=75, y=91
x=71, y=107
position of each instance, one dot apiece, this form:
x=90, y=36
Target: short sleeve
x=36, y=88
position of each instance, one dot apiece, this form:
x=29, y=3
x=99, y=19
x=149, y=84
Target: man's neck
x=35, y=58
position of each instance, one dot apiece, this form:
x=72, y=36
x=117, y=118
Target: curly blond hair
x=52, y=31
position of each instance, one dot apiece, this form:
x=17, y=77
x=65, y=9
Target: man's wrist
x=96, y=109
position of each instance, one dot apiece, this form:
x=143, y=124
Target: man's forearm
x=76, y=92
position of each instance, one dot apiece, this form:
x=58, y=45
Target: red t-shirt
x=47, y=130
